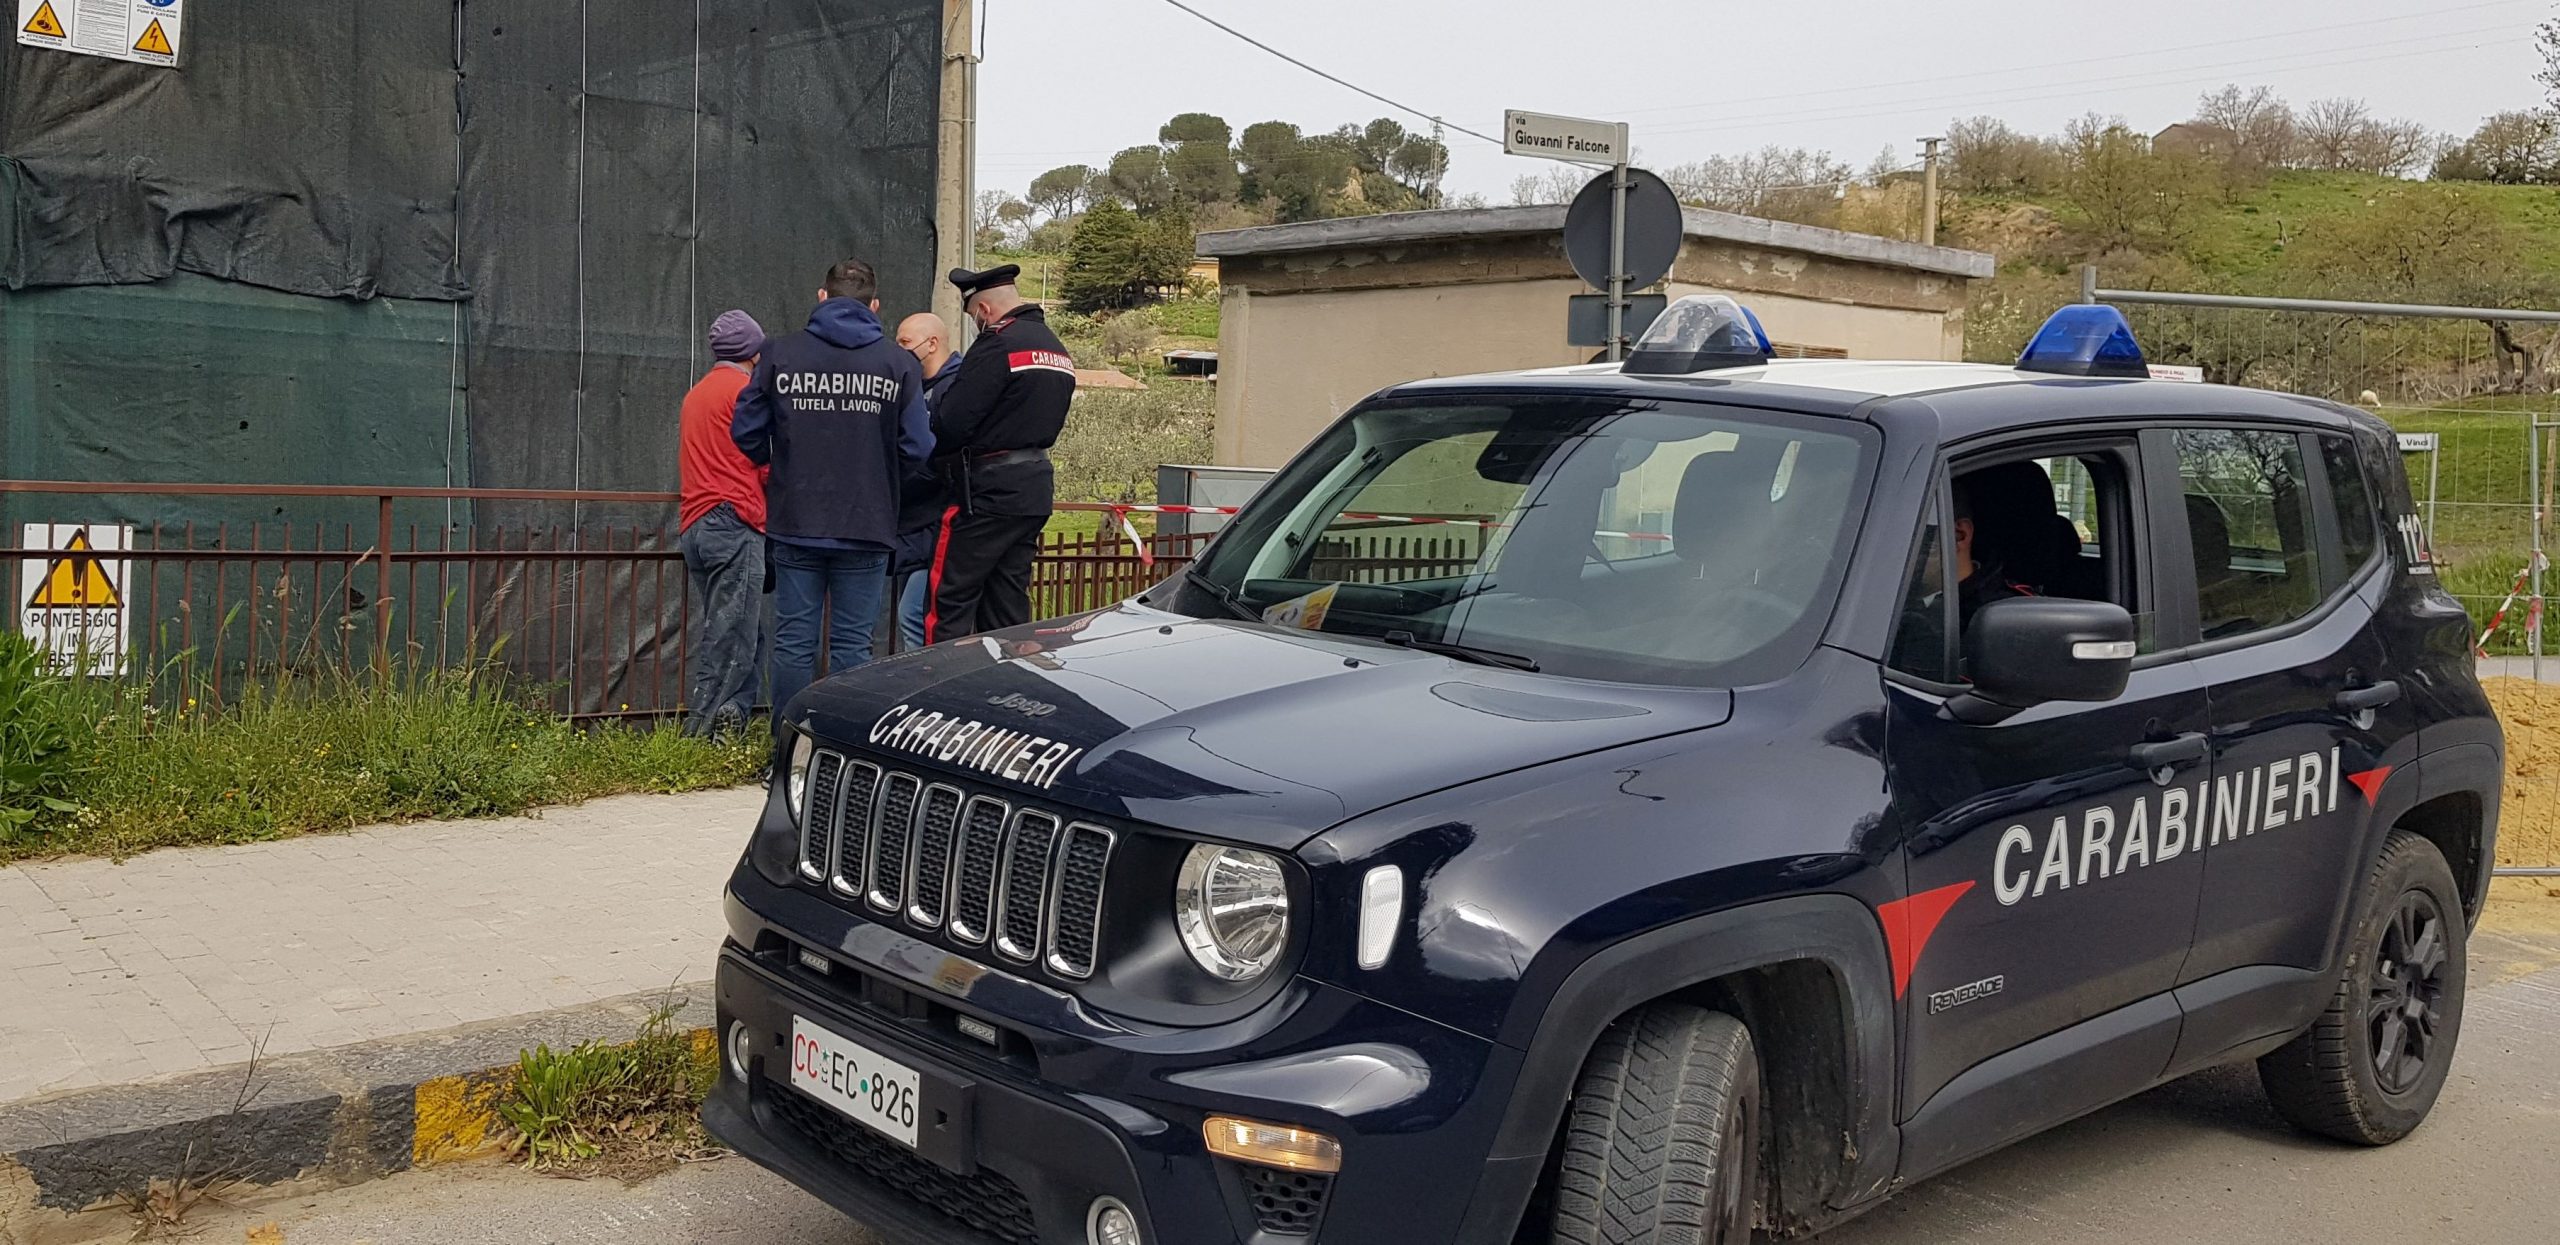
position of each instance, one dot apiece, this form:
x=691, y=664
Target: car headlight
x=1232, y=907
x=798, y=776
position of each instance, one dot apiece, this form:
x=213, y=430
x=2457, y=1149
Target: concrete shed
x=1318, y=315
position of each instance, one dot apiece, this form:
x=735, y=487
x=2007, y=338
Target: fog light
x=1272, y=1145
x=1110, y=1223
x=738, y=1047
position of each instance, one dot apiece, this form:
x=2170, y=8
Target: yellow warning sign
x=45, y=23
x=77, y=580
x=154, y=40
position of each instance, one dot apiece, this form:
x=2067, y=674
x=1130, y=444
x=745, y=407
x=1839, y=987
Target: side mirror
x=2026, y=651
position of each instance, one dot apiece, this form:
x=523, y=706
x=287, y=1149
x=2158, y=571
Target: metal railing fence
x=589, y=613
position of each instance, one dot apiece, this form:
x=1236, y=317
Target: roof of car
x=1966, y=398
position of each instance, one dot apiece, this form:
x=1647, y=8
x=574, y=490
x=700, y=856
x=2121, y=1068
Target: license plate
x=874, y=1089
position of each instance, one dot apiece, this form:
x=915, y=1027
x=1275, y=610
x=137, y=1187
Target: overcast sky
x=1071, y=81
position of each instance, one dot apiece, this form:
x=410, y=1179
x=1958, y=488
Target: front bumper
x=1042, y=1123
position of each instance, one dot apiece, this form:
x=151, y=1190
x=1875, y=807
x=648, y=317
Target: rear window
x=2357, y=535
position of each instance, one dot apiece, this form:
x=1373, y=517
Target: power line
x=1332, y=78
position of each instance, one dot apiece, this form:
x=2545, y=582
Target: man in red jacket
x=722, y=510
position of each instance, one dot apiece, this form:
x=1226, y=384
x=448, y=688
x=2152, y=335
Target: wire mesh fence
x=2471, y=391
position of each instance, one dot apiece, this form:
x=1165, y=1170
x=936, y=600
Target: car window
x=2249, y=529
x=1595, y=537
x=1922, y=642
x=2357, y=536
x=2055, y=526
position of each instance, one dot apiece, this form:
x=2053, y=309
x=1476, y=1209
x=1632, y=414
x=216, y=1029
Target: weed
x=40, y=733
x=629, y=1104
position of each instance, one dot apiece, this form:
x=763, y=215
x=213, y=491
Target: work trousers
x=843, y=585
x=982, y=573
x=724, y=562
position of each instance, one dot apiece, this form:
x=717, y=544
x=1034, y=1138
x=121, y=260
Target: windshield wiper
x=1222, y=594
x=1463, y=652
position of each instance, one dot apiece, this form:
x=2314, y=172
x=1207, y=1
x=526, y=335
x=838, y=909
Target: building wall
x=1303, y=337
x=1289, y=364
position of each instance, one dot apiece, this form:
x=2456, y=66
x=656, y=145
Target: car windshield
x=1640, y=541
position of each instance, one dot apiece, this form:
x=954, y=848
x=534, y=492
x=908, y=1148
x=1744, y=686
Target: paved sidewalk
x=183, y=960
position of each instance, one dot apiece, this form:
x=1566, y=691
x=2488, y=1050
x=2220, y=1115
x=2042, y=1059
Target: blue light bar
x=1696, y=334
x=2086, y=339
x=1759, y=332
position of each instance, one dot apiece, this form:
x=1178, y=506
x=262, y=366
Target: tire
x=1661, y=1144
x=2369, y=1069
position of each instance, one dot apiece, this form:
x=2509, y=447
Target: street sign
x=1653, y=230
x=1586, y=317
x=2417, y=442
x=1571, y=139
x=1578, y=140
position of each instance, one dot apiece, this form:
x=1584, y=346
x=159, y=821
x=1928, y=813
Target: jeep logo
x=1023, y=705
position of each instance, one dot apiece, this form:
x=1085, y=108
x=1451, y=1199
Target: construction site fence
x=2474, y=394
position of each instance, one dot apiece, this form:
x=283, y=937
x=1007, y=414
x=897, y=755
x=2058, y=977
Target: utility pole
x=1929, y=192
x=955, y=159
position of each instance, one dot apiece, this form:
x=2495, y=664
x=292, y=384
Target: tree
x=1198, y=159
x=2261, y=125
x=1779, y=183
x=1139, y=178
x=1120, y=259
x=1554, y=183
x=2546, y=38
x=2330, y=130
x=1265, y=149
x=1062, y=191
x=2107, y=179
x=2392, y=148
x=1419, y=163
x=1102, y=262
x=1376, y=142
x=1983, y=153
x=2512, y=147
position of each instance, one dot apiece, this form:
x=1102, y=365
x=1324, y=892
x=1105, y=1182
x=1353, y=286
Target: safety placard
x=72, y=594
x=147, y=32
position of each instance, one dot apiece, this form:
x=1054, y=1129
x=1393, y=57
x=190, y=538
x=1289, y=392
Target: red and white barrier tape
x=2497, y=619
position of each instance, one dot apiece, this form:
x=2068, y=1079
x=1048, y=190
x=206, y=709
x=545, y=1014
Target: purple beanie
x=736, y=336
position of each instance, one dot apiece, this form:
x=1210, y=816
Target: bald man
x=921, y=497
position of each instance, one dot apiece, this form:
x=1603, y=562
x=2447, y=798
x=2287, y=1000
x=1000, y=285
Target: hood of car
x=1232, y=730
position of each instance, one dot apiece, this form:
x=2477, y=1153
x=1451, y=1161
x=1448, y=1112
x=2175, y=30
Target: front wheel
x=2370, y=1068
x=1662, y=1140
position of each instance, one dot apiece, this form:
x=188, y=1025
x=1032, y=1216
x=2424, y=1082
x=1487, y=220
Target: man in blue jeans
x=928, y=338
x=837, y=411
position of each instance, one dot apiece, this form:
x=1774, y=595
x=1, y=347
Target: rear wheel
x=2370, y=1068
x=1662, y=1140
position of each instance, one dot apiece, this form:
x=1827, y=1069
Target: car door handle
x=2365, y=699
x=2188, y=749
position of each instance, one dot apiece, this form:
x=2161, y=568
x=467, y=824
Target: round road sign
x=1653, y=230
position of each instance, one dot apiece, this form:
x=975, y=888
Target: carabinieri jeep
x=1636, y=803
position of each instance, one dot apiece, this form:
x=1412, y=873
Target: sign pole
x=1618, y=252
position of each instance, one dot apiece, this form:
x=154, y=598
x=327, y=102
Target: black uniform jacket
x=1011, y=397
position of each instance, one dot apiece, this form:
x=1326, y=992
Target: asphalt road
x=2203, y=1161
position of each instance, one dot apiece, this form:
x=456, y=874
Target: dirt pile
x=2529, y=818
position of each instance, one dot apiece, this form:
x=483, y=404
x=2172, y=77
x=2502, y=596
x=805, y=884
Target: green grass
x=620, y=1100
x=1193, y=318
x=316, y=756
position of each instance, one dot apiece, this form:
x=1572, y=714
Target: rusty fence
x=581, y=596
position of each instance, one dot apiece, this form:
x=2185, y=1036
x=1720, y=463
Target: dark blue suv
x=1636, y=804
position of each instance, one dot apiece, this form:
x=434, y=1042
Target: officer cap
x=972, y=284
